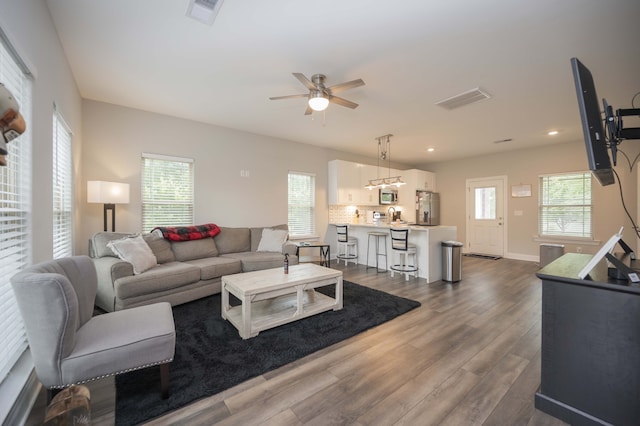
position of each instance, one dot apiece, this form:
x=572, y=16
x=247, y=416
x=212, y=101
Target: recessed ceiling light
x=553, y=133
x=430, y=149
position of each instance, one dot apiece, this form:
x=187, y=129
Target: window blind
x=167, y=191
x=15, y=227
x=302, y=199
x=565, y=205
x=62, y=189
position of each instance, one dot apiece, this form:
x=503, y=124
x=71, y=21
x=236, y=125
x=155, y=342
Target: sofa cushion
x=99, y=242
x=160, y=247
x=162, y=277
x=256, y=235
x=135, y=251
x=255, y=261
x=215, y=267
x=233, y=240
x=272, y=240
x=194, y=249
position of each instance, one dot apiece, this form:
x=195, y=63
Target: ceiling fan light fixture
x=317, y=101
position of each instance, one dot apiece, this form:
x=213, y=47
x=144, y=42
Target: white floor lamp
x=109, y=194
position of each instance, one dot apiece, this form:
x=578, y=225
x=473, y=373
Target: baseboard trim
x=520, y=256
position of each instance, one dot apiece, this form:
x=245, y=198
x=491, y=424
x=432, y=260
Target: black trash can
x=451, y=261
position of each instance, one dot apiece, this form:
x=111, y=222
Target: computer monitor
x=594, y=136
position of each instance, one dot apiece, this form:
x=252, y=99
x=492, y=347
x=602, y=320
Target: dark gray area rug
x=211, y=357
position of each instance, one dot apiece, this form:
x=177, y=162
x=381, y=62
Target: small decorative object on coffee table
x=271, y=298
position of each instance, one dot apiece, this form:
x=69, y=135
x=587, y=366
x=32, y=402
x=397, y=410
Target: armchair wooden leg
x=164, y=380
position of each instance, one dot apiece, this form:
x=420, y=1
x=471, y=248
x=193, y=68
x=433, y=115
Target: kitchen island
x=427, y=240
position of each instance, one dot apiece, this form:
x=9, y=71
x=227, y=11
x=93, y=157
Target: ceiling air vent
x=204, y=10
x=465, y=98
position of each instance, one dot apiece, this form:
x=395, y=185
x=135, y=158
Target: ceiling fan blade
x=308, y=111
x=342, y=102
x=275, y=98
x=305, y=81
x=344, y=86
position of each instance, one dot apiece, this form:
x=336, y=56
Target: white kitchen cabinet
x=369, y=196
x=344, y=178
x=420, y=180
x=346, y=184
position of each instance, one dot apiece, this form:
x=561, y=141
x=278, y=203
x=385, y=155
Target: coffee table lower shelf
x=271, y=313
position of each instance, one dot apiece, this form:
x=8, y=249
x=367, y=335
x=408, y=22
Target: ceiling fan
x=319, y=96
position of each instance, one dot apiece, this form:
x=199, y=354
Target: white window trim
x=169, y=158
x=313, y=235
x=565, y=238
x=18, y=389
x=67, y=191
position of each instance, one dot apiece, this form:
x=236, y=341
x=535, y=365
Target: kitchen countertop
x=384, y=225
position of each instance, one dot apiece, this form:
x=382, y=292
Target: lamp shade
x=317, y=101
x=107, y=192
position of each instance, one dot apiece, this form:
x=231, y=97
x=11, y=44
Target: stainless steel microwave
x=388, y=196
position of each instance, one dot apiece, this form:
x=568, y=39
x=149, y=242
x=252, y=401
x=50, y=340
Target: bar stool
x=377, y=236
x=400, y=246
x=347, y=246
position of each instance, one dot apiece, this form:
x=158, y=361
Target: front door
x=485, y=216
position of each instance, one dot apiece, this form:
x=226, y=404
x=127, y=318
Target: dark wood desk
x=590, y=345
x=325, y=251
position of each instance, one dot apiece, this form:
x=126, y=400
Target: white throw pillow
x=136, y=251
x=272, y=240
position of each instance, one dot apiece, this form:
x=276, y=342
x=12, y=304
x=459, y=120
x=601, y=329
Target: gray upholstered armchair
x=69, y=345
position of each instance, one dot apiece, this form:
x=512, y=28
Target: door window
x=485, y=205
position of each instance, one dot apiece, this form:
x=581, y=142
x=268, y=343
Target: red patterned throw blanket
x=187, y=233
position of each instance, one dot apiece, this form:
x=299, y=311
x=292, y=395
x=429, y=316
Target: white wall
x=115, y=137
x=32, y=33
x=524, y=167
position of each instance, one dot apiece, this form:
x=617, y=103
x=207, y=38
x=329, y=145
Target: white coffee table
x=270, y=298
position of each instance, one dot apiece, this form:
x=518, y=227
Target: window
x=565, y=205
x=62, y=189
x=486, y=203
x=15, y=226
x=302, y=204
x=167, y=191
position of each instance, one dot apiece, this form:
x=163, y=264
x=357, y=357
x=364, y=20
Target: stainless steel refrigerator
x=427, y=208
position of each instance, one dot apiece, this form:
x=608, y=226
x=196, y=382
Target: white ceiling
x=147, y=54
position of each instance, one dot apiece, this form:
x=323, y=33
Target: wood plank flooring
x=470, y=355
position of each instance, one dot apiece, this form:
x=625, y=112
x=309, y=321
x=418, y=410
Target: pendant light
x=384, y=153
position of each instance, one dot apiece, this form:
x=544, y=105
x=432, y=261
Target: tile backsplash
x=347, y=214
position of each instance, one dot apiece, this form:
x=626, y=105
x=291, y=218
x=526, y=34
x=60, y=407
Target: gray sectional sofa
x=185, y=270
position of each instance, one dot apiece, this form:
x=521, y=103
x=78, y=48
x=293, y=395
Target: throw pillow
x=160, y=247
x=272, y=240
x=135, y=251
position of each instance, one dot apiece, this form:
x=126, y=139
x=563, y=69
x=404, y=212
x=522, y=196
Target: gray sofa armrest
x=289, y=248
x=108, y=270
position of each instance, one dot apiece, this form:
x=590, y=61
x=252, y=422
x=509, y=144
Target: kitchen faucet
x=389, y=214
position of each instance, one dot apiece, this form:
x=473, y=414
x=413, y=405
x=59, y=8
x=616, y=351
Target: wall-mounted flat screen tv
x=592, y=127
